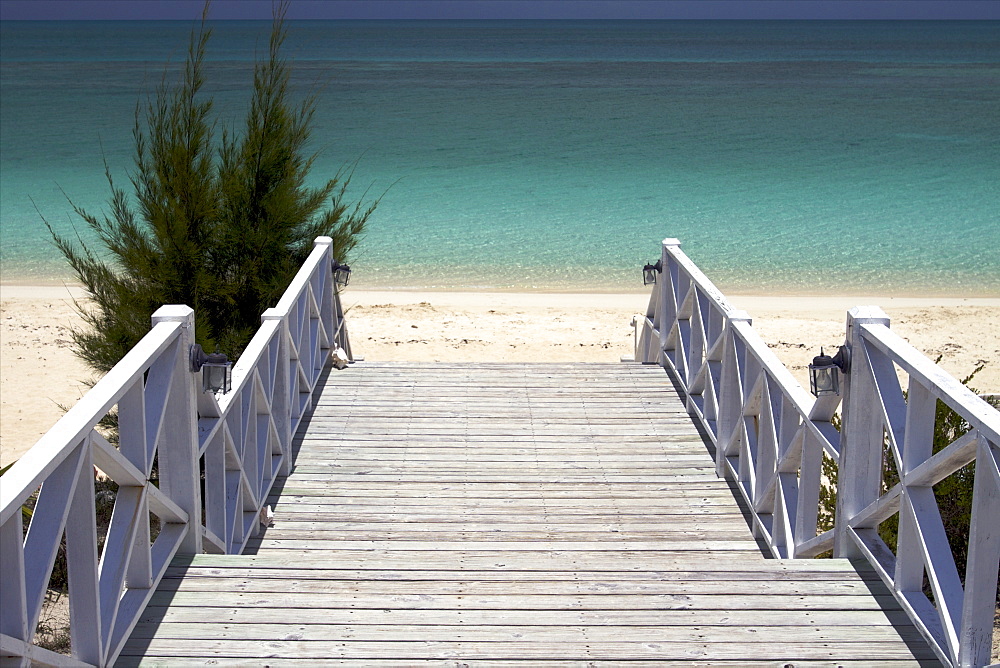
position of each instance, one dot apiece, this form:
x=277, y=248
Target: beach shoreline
x=37, y=284
x=41, y=375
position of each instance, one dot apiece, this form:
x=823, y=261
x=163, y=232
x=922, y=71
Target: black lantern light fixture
x=650, y=271
x=824, y=372
x=215, y=368
x=341, y=274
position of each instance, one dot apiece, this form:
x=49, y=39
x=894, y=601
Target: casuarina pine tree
x=220, y=225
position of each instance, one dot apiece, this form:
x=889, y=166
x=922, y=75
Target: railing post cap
x=867, y=314
x=670, y=241
x=323, y=241
x=173, y=313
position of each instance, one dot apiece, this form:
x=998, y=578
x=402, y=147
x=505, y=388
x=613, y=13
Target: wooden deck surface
x=527, y=515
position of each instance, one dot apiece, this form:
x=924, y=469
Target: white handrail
x=770, y=437
x=240, y=442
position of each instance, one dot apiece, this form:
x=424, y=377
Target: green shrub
x=220, y=226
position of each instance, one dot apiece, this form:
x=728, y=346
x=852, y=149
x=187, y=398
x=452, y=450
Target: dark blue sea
x=787, y=156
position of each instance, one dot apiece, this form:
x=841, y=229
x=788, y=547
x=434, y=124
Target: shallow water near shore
x=787, y=156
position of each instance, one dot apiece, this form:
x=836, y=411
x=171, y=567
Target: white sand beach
x=40, y=374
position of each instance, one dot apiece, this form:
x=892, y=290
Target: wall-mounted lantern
x=650, y=271
x=341, y=274
x=824, y=372
x=216, y=370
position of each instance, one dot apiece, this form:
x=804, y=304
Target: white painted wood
x=32, y=655
x=919, y=409
x=24, y=477
x=731, y=390
x=666, y=309
x=115, y=563
x=163, y=372
x=945, y=462
x=163, y=415
x=979, y=601
x=177, y=442
x=771, y=443
x=85, y=613
x=280, y=400
x=860, y=465
x=113, y=463
x=14, y=611
x=48, y=521
x=937, y=381
x=80, y=531
x=139, y=573
x=879, y=510
x=922, y=547
x=132, y=430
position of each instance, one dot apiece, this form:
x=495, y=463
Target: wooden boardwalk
x=524, y=515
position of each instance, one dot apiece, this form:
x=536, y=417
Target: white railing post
x=859, y=476
x=324, y=275
x=180, y=474
x=14, y=610
x=981, y=573
x=281, y=408
x=730, y=390
x=645, y=351
x=340, y=324
x=668, y=295
x=87, y=638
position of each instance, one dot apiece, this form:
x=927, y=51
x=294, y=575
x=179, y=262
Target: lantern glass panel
x=216, y=377
x=648, y=275
x=342, y=276
x=824, y=380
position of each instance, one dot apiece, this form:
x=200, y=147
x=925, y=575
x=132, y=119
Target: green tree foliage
x=221, y=226
x=953, y=494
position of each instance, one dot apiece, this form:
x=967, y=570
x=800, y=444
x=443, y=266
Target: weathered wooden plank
x=291, y=647
x=570, y=470
x=501, y=459
x=523, y=601
x=553, y=587
x=539, y=560
x=582, y=519
x=637, y=619
x=469, y=520
x=689, y=513
x=321, y=458
x=264, y=631
x=653, y=495
x=500, y=546
x=512, y=515
x=418, y=575
x=373, y=475
x=535, y=663
x=292, y=536
x=365, y=495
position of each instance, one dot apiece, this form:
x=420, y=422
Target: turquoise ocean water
x=787, y=156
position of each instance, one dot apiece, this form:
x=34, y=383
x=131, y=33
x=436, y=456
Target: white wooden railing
x=217, y=458
x=770, y=435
